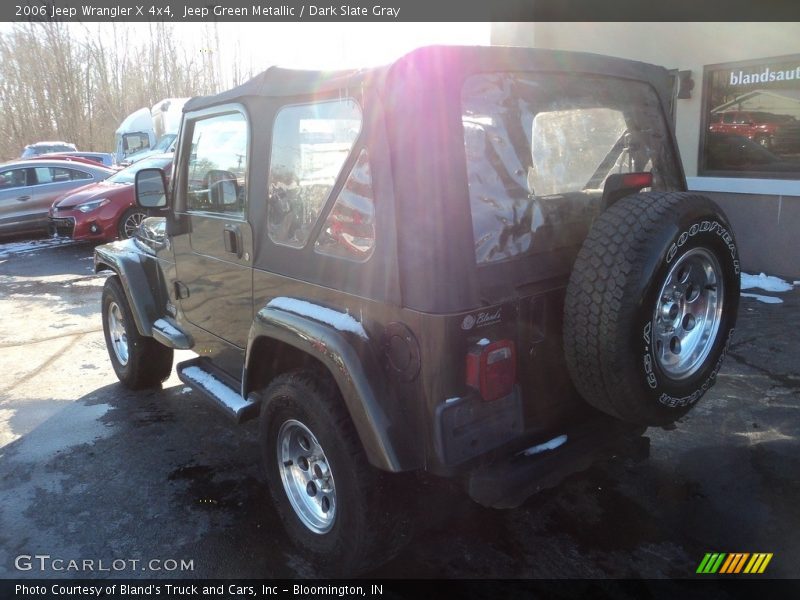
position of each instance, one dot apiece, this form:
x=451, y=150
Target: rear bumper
x=508, y=481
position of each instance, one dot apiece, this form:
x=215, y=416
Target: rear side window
x=59, y=175
x=539, y=148
x=310, y=144
x=349, y=230
x=44, y=174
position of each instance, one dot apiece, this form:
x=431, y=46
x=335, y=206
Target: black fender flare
x=382, y=427
x=125, y=260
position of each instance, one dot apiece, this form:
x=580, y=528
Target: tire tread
x=149, y=361
x=599, y=309
x=385, y=532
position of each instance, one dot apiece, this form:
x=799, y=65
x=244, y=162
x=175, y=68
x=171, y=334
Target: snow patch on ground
x=40, y=296
x=31, y=246
x=216, y=387
x=76, y=424
x=549, y=445
x=764, y=299
x=338, y=320
x=6, y=434
x=766, y=435
x=768, y=283
x=92, y=282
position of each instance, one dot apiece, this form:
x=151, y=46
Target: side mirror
x=151, y=189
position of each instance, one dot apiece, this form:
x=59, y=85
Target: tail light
x=492, y=368
x=637, y=180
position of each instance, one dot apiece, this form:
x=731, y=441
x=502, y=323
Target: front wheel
x=138, y=361
x=129, y=222
x=334, y=505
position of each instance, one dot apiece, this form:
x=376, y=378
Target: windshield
x=539, y=148
x=163, y=144
x=128, y=174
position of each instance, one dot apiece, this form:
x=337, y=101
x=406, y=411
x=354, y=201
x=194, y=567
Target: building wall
x=765, y=214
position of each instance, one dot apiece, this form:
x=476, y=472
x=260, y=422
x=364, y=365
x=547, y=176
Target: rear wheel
x=651, y=306
x=138, y=361
x=334, y=505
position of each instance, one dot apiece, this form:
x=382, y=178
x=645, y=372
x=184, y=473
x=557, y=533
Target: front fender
x=124, y=259
x=382, y=427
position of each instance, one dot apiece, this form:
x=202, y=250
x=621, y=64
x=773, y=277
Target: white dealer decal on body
x=483, y=318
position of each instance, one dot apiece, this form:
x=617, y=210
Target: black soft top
x=412, y=109
x=279, y=82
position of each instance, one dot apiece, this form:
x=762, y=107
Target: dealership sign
x=767, y=75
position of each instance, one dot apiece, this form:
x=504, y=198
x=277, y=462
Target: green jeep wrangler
x=481, y=263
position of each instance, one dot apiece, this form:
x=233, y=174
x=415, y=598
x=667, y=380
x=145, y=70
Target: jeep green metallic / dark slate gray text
x=477, y=262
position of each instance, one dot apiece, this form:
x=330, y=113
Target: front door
x=214, y=253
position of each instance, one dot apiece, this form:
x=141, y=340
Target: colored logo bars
x=739, y=562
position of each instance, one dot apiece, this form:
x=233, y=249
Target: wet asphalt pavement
x=89, y=470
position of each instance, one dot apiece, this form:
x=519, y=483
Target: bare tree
x=77, y=84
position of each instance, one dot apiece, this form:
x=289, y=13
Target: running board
x=219, y=388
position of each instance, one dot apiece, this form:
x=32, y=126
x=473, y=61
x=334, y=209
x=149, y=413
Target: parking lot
x=89, y=470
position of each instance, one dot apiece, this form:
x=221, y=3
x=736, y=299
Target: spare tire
x=651, y=306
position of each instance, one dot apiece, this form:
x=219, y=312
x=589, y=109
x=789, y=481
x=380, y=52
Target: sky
x=312, y=45
x=342, y=45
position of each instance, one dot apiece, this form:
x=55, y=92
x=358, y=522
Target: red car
x=779, y=133
x=106, y=210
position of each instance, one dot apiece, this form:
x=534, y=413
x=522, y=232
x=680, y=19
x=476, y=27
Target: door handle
x=233, y=240
x=23, y=198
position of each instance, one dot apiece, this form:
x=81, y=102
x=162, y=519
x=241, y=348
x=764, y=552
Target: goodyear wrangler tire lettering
x=706, y=226
x=651, y=306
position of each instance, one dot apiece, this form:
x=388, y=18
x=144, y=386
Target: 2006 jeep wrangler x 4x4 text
x=482, y=263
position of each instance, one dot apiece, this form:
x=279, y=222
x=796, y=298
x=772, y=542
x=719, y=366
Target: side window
x=60, y=175
x=74, y=174
x=44, y=175
x=349, y=230
x=218, y=165
x=310, y=144
x=13, y=178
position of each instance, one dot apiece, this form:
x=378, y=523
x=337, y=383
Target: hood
x=93, y=191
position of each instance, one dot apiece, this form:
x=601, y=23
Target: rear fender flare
x=351, y=361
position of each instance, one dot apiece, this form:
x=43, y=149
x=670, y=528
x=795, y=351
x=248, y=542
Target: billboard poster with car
x=752, y=119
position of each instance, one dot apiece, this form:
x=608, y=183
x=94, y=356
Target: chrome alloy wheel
x=117, y=334
x=306, y=476
x=132, y=223
x=687, y=314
